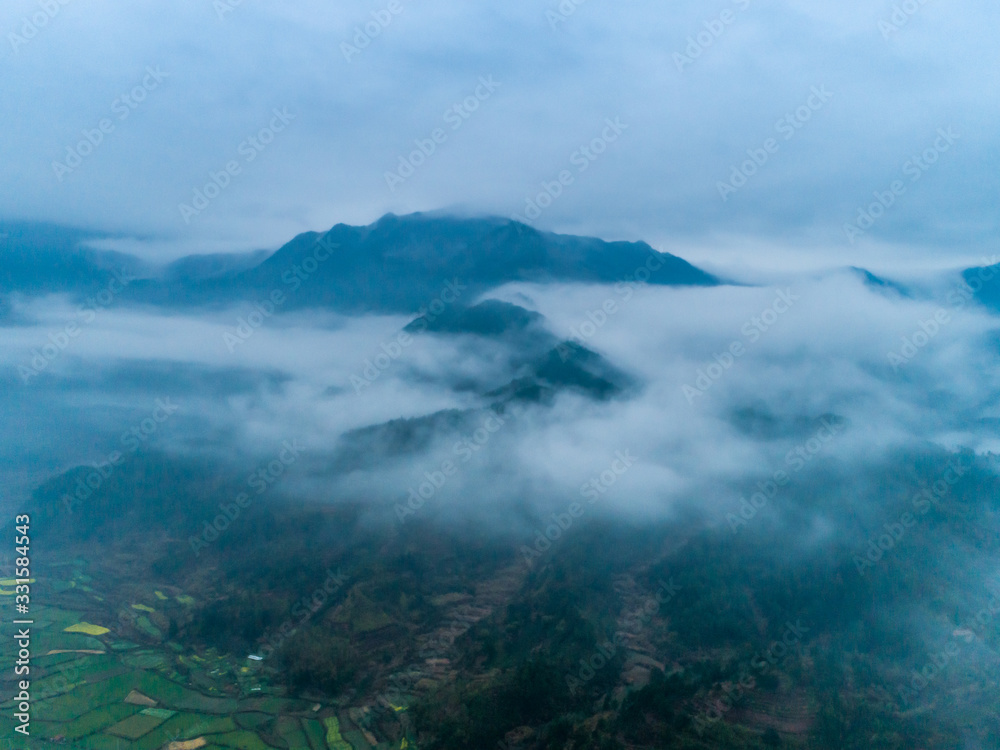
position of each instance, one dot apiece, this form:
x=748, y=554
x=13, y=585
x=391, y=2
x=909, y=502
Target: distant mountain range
x=46, y=259
x=397, y=264
x=400, y=264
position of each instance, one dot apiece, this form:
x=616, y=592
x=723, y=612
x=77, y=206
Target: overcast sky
x=867, y=98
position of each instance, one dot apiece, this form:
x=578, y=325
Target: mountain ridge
x=395, y=264
x=398, y=263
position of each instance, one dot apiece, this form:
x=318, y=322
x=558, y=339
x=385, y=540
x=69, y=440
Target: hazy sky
x=690, y=88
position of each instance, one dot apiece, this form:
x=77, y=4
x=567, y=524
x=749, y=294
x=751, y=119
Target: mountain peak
x=400, y=263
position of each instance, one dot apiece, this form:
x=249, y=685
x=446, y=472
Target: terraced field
x=104, y=679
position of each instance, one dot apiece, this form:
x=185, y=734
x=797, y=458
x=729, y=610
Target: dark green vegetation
x=620, y=635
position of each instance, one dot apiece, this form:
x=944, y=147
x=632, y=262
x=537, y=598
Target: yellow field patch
x=13, y=581
x=143, y=608
x=53, y=652
x=189, y=745
x=86, y=627
x=334, y=740
x=161, y=596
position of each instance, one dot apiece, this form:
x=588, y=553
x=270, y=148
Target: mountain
x=535, y=367
x=540, y=363
x=397, y=264
x=40, y=259
x=879, y=284
x=488, y=318
x=400, y=264
x=984, y=282
x=193, y=268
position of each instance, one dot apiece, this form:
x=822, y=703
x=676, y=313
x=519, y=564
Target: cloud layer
x=185, y=92
x=737, y=383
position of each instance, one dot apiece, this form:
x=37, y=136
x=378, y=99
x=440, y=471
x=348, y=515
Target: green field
x=79, y=698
